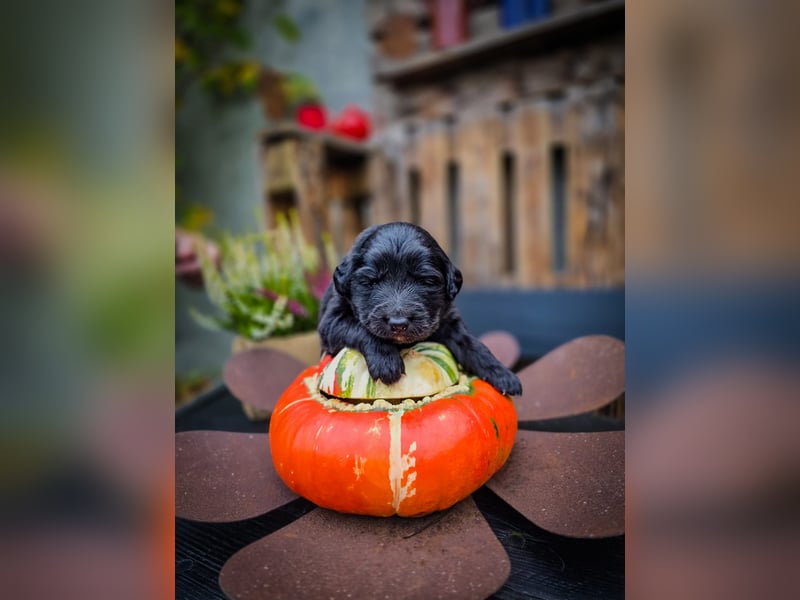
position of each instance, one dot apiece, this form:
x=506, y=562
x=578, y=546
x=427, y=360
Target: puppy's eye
x=431, y=281
x=370, y=279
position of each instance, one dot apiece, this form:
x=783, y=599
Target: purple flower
x=294, y=306
x=318, y=282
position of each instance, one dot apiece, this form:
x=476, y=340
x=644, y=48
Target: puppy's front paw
x=505, y=382
x=388, y=367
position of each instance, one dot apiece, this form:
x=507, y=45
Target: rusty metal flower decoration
x=570, y=484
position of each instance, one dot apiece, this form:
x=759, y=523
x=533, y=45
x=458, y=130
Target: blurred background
x=498, y=126
x=99, y=110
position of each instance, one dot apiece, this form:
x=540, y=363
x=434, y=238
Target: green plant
x=212, y=45
x=267, y=284
x=207, y=35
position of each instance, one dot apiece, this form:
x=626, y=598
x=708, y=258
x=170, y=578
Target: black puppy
x=393, y=289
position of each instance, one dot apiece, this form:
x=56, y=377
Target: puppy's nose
x=398, y=324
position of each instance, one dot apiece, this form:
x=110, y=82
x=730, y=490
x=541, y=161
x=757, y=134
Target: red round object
x=380, y=460
x=311, y=116
x=352, y=123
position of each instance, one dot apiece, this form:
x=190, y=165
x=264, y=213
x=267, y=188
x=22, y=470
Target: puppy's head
x=398, y=281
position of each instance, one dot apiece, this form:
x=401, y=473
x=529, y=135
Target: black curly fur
x=393, y=289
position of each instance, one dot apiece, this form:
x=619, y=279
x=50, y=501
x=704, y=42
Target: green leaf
x=286, y=27
x=241, y=39
x=299, y=89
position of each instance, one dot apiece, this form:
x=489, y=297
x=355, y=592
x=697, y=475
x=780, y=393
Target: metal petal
x=572, y=484
x=579, y=376
x=325, y=554
x=258, y=377
x=222, y=476
x=503, y=345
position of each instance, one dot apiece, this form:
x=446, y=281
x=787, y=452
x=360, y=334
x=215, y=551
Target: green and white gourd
x=430, y=369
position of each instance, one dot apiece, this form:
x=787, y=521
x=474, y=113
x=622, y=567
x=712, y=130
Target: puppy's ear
x=342, y=273
x=454, y=281
x=341, y=277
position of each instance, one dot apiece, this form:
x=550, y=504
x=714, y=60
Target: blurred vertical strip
x=86, y=298
x=449, y=23
x=712, y=299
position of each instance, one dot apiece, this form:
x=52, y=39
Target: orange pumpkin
x=379, y=457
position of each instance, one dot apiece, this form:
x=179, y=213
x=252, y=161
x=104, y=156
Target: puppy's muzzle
x=398, y=324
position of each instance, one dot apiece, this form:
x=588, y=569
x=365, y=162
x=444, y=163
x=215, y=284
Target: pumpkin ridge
x=478, y=413
x=496, y=430
x=399, y=463
x=298, y=401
